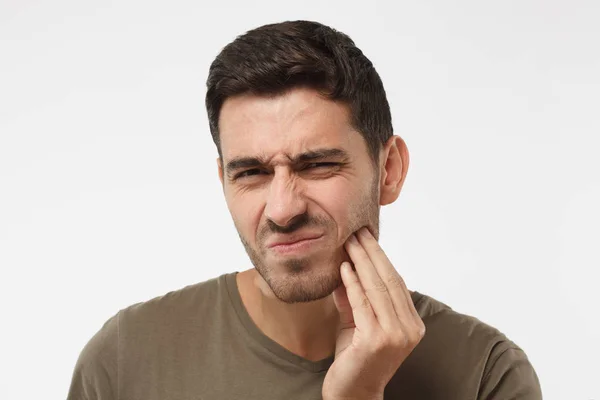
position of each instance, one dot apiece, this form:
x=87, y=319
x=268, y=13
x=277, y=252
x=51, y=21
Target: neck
x=305, y=329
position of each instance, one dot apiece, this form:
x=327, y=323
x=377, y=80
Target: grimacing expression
x=294, y=169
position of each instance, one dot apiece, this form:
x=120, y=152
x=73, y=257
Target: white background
x=109, y=192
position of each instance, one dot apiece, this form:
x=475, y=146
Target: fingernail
x=364, y=232
x=352, y=239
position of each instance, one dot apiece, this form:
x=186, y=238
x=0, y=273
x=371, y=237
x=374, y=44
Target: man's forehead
x=253, y=126
x=291, y=104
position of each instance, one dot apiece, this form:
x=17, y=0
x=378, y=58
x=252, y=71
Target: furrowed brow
x=243, y=162
x=309, y=156
x=320, y=154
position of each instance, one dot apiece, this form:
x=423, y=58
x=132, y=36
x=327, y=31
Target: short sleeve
x=95, y=373
x=509, y=375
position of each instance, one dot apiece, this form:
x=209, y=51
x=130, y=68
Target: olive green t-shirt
x=200, y=343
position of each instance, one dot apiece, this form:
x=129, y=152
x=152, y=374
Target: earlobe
x=395, y=168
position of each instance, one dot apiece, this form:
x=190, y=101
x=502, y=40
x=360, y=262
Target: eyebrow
x=308, y=156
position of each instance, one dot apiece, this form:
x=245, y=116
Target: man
x=307, y=155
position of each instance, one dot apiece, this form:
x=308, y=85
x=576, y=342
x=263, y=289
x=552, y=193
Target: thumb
x=340, y=298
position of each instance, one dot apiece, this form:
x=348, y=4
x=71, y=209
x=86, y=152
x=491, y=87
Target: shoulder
x=194, y=298
x=508, y=373
x=95, y=372
x=163, y=319
x=470, y=352
x=458, y=335
x=444, y=325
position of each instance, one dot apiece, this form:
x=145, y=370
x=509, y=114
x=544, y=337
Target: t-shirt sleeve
x=95, y=373
x=509, y=375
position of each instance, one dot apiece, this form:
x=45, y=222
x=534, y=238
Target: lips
x=290, y=240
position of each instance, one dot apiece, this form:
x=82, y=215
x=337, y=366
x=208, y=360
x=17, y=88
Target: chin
x=302, y=280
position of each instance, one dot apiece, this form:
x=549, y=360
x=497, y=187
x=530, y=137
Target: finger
x=340, y=299
x=374, y=287
x=362, y=313
x=398, y=292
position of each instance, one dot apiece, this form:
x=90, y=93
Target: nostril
x=291, y=225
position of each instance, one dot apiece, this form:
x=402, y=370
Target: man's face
x=298, y=181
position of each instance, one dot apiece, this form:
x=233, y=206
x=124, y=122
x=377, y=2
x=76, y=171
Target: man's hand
x=379, y=326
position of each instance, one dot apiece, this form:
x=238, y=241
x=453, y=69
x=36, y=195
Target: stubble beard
x=315, y=277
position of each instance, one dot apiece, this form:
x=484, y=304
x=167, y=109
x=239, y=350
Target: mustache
x=296, y=223
x=299, y=221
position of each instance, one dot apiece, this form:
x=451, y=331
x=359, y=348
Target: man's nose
x=284, y=201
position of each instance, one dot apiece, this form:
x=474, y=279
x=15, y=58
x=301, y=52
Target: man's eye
x=320, y=165
x=249, y=172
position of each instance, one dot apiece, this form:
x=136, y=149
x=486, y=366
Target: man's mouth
x=294, y=244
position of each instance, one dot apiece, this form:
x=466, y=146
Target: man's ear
x=394, y=167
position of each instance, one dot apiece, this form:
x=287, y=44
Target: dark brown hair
x=275, y=58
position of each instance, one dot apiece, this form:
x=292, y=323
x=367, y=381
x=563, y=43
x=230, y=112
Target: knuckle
x=422, y=329
x=395, y=281
x=379, y=251
x=416, y=334
x=412, y=340
x=363, y=303
x=397, y=341
x=380, y=286
x=382, y=344
x=401, y=342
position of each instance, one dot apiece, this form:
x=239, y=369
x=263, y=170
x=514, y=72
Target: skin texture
x=292, y=167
